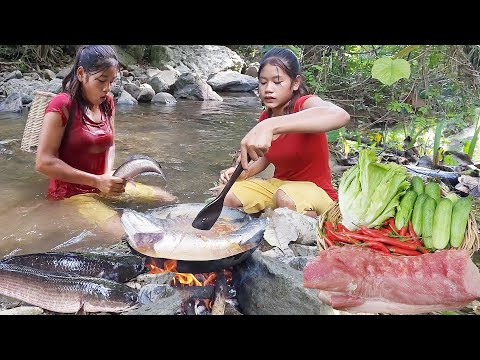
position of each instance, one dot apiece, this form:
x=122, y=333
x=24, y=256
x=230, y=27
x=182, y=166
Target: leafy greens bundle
x=369, y=191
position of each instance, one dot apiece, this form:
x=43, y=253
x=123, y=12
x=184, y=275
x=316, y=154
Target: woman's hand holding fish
x=111, y=185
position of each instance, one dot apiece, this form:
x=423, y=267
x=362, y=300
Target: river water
x=192, y=140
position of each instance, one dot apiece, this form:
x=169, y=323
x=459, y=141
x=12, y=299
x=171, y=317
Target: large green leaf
x=389, y=71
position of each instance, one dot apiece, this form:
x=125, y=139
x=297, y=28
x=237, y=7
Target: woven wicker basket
x=471, y=243
x=33, y=126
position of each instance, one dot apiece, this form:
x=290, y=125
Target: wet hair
x=94, y=59
x=286, y=60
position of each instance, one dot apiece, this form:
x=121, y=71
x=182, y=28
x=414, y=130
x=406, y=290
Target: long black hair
x=94, y=59
x=286, y=60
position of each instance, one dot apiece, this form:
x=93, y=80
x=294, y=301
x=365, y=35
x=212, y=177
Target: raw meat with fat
x=357, y=279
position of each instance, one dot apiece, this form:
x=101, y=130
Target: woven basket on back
x=35, y=120
x=471, y=243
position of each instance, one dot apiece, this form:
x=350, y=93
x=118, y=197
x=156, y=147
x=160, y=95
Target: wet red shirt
x=85, y=147
x=302, y=156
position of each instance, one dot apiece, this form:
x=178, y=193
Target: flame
x=155, y=266
x=186, y=279
x=182, y=279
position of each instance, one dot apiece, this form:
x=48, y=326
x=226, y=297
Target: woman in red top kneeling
x=291, y=136
x=77, y=142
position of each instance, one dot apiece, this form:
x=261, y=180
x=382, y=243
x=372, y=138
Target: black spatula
x=208, y=216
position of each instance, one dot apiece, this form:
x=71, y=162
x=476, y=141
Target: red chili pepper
x=378, y=246
x=328, y=225
x=341, y=228
x=343, y=237
x=391, y=222
x=420, y=245
x=386, y=240
x=402, y=251
x=371, y=232
x=403, y=231
x=328, y=241
x=358, y=236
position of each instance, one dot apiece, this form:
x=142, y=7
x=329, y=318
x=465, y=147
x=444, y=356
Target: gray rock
x=267, y=286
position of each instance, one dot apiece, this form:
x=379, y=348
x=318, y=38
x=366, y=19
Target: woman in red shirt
x=291, y=136
x=79, y=157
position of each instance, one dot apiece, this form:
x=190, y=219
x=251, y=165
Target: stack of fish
x=72, y=282
x=79, y=282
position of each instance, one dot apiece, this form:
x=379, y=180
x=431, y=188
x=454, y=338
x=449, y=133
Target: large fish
x=65, y=293
x=119, y=268
x=139, y=164
x=175, y=238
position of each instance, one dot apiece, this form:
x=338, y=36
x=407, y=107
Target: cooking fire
x=204, y=293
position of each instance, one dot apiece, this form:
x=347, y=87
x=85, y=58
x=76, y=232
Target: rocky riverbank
x=192, y=72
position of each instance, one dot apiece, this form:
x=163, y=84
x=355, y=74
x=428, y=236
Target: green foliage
x=33, y=57
x=334, y=135
x=388, y=71
x=417, y=127
x=406, y=51
x=436, y=142
x=473, y=143
x=400, y=107
x=449, y=160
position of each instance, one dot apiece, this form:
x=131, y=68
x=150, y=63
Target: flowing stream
x=192, y=140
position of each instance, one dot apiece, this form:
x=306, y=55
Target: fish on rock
x=119, y=268
x=64, y=293
x=175, y=238
x=356, y=279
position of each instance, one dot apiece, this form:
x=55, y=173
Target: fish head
x=142, y=231
x=109, y=296
x=123, y=298
x=147, y=243
x=128, y=267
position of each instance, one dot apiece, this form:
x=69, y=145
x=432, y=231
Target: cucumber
x=460, y=214
x=428, y=212
x=453, y=197
x=442, y=221
x=418, y=185
x=405, y=209
x=417, y=213
x=433, y=190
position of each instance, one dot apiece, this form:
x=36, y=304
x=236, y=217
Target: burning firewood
x=218, y=307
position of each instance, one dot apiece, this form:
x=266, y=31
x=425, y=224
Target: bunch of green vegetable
x=440, y=221
x=369, y=191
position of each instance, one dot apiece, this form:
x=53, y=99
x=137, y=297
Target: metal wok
x=211, y=265
x=196, y=267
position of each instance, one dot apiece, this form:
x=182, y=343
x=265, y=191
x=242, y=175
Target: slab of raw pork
x=357, y=279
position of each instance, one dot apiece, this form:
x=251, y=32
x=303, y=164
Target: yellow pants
x=258, y=194
x=92, y=208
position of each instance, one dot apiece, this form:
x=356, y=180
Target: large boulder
x=202, y=60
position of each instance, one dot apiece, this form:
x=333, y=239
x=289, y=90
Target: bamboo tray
x=471, y=243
